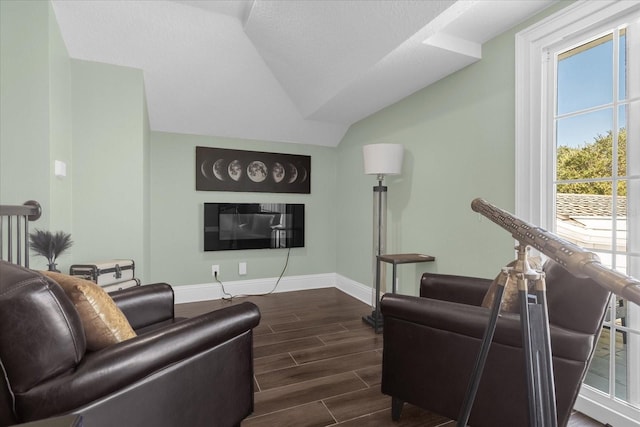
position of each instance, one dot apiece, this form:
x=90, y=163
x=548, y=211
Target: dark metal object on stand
x=533, y=308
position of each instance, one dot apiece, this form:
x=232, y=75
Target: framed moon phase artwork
x=221, y=169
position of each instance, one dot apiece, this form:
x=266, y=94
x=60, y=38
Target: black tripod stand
x=537, y=344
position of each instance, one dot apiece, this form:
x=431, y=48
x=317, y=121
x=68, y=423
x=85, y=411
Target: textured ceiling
x=294, y=71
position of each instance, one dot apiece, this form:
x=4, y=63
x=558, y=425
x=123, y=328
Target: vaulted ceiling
x=295, y=71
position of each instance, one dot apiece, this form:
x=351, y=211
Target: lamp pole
x=380, y=160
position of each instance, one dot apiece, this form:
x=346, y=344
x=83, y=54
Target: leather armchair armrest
x=115, y=367
x=472, y=321
x=460, y=289
x=446, y=315
x=145, y=305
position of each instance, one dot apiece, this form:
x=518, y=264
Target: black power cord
x=224, y=293
x=228, y=297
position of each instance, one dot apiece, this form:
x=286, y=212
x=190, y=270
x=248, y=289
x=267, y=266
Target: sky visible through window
x=585, y=80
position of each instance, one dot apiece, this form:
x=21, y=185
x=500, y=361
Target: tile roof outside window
x=587, y=205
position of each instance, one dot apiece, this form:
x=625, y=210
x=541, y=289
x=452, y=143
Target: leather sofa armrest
x=146, y=305
x=472, y=321
x=62, y=421
x=460, y=289
x=117, y=366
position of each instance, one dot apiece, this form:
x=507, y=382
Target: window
x=578, y=167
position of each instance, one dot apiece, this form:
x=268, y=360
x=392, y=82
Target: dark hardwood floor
x=317, y=364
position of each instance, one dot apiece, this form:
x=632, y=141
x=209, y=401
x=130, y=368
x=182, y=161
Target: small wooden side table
x=375, y=320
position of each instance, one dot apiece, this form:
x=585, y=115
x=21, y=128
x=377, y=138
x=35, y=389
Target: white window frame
x=534, y=156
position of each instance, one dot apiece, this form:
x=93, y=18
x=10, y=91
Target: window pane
x=584, y=217
x=621, y=351
x=598, y=374
x=630, y=113
x=584, y=145
x=595, y=193
x=633, y=229
x=622, y=65
x=585, y=76
x=621, y=226
x=622, y=140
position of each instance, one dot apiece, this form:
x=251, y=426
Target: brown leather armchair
x=191, y=372
x=431, y=343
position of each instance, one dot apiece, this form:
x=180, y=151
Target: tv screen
x=229, y=226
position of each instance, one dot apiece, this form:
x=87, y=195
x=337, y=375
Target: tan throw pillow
x=104, y=323
x=510, y=296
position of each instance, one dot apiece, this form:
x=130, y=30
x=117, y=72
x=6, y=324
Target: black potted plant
x=50, y=245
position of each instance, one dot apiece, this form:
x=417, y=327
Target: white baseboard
x=355, y=289
x=213, y=291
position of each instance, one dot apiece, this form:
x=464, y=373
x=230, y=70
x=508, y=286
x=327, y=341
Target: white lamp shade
x=383, y=159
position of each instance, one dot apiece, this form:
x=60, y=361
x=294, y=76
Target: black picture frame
x=222, y=169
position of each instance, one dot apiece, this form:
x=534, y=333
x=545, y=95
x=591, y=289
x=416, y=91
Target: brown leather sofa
x=175, y=372
x=431, y=343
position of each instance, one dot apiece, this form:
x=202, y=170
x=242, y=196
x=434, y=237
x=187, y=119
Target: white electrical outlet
x=242, y=268
x=215, y=270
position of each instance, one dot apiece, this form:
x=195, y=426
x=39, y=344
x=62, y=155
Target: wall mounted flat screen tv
x=229, y=226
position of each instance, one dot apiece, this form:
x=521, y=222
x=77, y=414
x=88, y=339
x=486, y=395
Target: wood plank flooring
x=317, y=364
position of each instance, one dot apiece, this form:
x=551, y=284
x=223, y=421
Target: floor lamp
x=380, y=160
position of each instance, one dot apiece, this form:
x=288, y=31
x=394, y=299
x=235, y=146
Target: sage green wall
x=132, y=191
x=144, y=269
x=458, y=136
x=459, y=144
x=24, y=103
x=108, y=163
x=60, y=144
x=177, y=254
x=35, y=113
